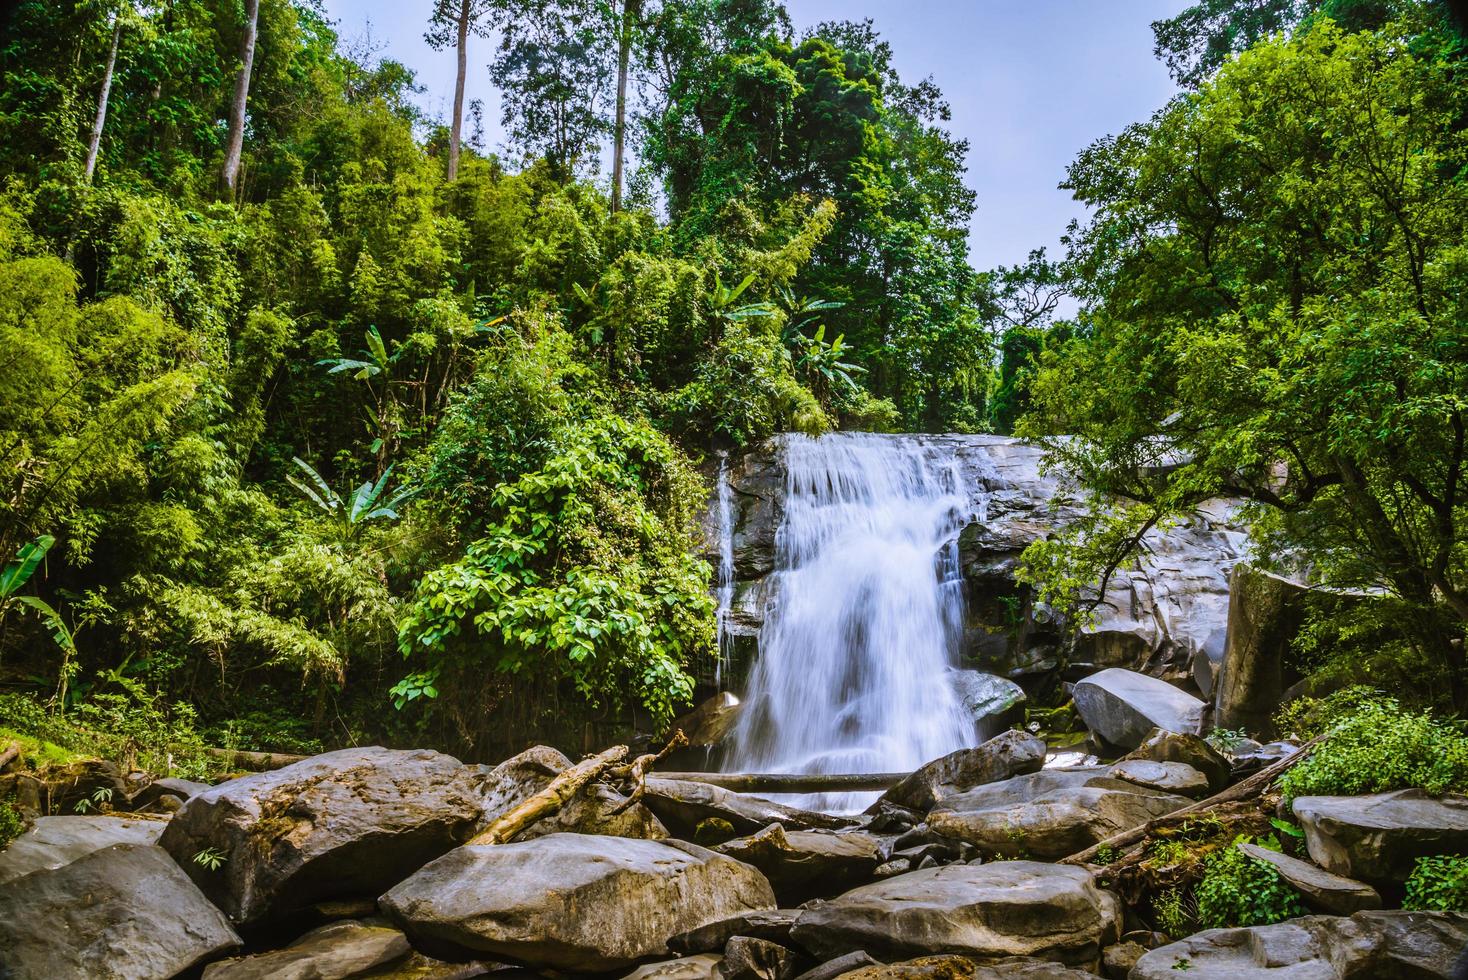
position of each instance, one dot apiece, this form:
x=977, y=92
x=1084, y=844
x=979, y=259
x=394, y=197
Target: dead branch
x=637, y=772
x=506, y=826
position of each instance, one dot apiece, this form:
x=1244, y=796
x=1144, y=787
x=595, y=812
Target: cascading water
x=854, y=652
x=726, y=568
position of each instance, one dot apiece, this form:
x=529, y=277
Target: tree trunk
x=619, y=131
x=456, y=133
x=102, y=98
x=236, y=143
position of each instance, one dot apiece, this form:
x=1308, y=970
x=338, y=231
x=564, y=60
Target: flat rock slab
x=1321, y=890
x=333, y=952
x=1123, y=706
x=963, y=968
x=125, y=912
x=801, y=864
x=704, y=966
x=1009, y=754
x=1011, y=908
x=683, y=805
x=57, y=841
x=1185, y=747
x=1168, y=777
x=773, y=925
x=1376, y=944
x=338, y=825
x=1378, y=838
x=572, y=902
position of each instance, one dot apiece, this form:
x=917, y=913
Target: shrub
x=1438, y=884
x=12, y=823
x=1238, y=890
x=1378, y=747
x=1175, y=912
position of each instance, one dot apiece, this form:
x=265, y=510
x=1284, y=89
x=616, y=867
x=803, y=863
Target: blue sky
x=1031, y=83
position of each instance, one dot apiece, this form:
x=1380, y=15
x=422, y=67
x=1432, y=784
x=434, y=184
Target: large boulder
x=336, y=951
x=1265, y=611
x=704, y=966
x=1378, y=838
x=1049, y=814
x=572, y=902
x=1011, y=908
x=710, y=723
x=1123, y=706
x=1167, y=777
x=1005, y=755
x=1321, y=890
x=771, y=924
x=1317, y=947
x=57, y=841
x=684, y=804
x=125, y=912
x=337, y=825
x=801, y=864
x=991, y=701
x=598, y=810
x=1189, y=749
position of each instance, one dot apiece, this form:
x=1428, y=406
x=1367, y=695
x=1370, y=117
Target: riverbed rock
x=1321, y=890
x=1008, y=754
x=949, y=967
x=572, y=902
x=771, y=924
x=1049, y=814
x=1187, y=748
x=748, y=958
x=991, y=701
x=1123, y=706
x=598, y=810
x=710, y=723
x=343, y=824
x=333, y=952
x=704, y=966
x=1317, y=947
x=125, y=912
x=801, y=864
x=684, y=804
x=1167, y=777
x=1378, y=838
x=1010, y=908
x=57, y=841
x=1264, y=614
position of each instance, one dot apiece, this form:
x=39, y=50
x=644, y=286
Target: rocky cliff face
x=1167, y=617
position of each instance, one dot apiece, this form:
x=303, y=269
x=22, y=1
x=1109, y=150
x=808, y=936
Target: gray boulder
x=342, y=824
x=748, y=958
x=57, y=841
x=1317, y=947
x=1011, y=908
x=124, y=912
x=1321, y=890
x=704, y=966
x=1265, y=611
x=801, y=864
x=1378, y=838
x=1049, y=814
x=773, y=925
x=1003, y=756
x=684, y=804
x=572, y=902
x=333, y=952
x=599, y=810
x=1167, y=777
x=1189, y=749
x=1123, y=706
x=991, y=701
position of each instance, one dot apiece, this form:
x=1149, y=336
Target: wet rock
x=1189, y=749
x=710, y=723
x=125, y=912
x=991, y=701
x=1117, y=961
x=748, y=958
x=963, y=968
x=599, y=810
x=1050, y=814
x=1123, y=706
x=333, y=952
x=683, y=805
x=1378, y=838
x=1317, y=947
x=1018, y=908
x=802, y=864
x=180, y=789
x=57, y=841
x=338, y=825
x=1168, y=777
x=1001, y=757
x=1321, y=890
x=705, y=966
x=840, y=966
x=572, y=902
x=773, y=925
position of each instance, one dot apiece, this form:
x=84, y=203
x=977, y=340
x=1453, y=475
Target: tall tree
x=631, y=9
x=236, y=141
x=455, y=20
x=95, y=143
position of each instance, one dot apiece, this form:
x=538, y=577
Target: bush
x=1378, y=747
x=1238, y=890
x=1438, y=884
x=12, y=823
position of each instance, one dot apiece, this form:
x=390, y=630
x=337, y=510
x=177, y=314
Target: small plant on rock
x=211, y=858
x=1438, y=884
x=12, y=823
x=1175, y=911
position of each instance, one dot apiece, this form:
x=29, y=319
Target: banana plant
x=13, y=577
x=824, y=362
x=377, y=359
x=354, y=510
x=722, y=299
x=800, y=314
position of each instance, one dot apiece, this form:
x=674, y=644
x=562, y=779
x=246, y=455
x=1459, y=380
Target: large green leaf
x=18, y=572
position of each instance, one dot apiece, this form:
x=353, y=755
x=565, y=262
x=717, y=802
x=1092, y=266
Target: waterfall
x=726, y=568
x=867, y=615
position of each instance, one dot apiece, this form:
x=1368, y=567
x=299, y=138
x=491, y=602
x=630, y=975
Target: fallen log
x=769, y=782
x=684, y=804
x=1255, y=784
x=504, y=828
x=250, y=761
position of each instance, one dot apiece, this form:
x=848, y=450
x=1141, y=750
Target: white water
x=867, y=617
x=726, y=569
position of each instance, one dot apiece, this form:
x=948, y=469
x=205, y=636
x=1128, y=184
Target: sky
x=1031, y=83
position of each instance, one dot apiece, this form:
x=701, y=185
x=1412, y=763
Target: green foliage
x=1225, y=739
x=1238, y=890
x=1438, y=884
x=1378, y=746
x=1176, y=912
x=12, y=823
x=210, y=858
